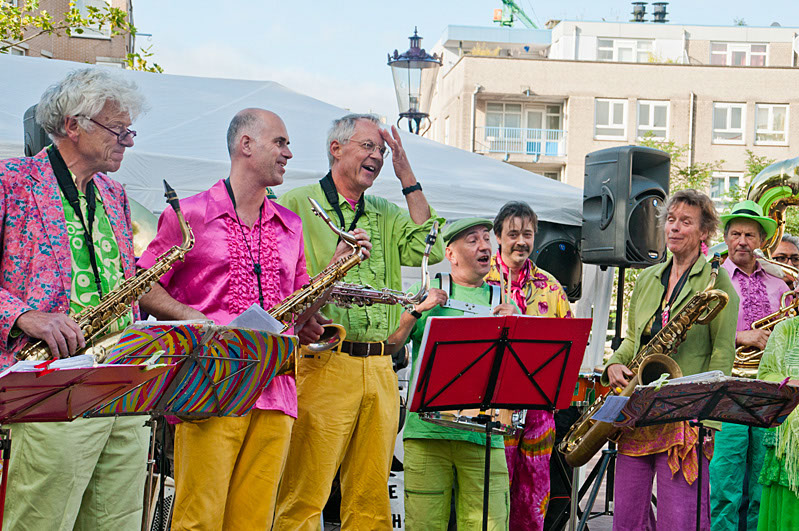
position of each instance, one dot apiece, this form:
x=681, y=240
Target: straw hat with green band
x=452, y=230
x=750, y=210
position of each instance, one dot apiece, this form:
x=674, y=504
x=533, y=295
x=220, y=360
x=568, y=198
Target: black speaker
x=556, y=250
x=623, y=192
x=35, y=137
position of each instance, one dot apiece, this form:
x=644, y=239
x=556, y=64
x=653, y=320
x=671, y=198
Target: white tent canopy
x=182, y=139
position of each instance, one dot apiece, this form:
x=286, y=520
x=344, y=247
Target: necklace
x=256, y=266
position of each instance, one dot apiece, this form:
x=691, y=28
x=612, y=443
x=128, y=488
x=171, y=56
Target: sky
x=336, y=50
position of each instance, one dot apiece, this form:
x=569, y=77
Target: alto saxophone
x=587, y=436
x=298, y=307
x=95, y=321
x=346, y=295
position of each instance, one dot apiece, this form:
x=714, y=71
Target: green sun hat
x=751, y=210
x=452, y=230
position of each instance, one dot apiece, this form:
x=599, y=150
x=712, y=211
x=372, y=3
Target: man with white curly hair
x=67, y=241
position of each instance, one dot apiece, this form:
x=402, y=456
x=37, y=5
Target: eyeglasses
x=784, y=258
x=122, y=136
x=371, y=147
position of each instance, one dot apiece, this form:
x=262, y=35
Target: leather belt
x=362, y=350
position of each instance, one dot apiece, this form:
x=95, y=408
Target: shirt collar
x=219, y=204
x=732, y=269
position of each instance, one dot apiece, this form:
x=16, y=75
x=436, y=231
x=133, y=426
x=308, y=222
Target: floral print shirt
x=535, y=291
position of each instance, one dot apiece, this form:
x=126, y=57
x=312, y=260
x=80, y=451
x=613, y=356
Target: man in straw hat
x=739, y=449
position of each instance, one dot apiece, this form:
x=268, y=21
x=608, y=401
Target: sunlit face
x=742, y=238
x=99, y=148
x=516, y=240
x=470, y=252
x=684, y=234
x=269, y=146
x=353, y=162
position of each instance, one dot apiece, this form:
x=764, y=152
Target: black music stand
x=511, y=362
x=714, y=397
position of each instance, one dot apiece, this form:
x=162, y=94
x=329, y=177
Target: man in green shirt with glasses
x=348, y=404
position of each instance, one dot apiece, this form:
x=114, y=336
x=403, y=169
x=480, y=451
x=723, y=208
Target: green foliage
x=683, y=174
x=738, y=22
x=139, y=61
x=19, y=24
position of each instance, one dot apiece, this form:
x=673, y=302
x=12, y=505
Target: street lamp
x=414, y=76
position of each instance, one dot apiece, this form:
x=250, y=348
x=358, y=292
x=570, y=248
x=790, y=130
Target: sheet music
x=611, y=409
x=75, y=362
x=256, y=318
x=702, y=377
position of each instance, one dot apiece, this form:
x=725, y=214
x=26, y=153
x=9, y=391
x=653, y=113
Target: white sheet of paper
x=256, y=318
x=75, y=362
x=610, y=410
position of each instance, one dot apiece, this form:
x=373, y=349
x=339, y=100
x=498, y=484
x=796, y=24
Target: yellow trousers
x=227, y=471
x=348, y=417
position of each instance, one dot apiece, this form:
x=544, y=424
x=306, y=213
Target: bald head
x=249, y=122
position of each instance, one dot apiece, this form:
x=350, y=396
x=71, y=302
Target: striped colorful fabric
x=228, y=368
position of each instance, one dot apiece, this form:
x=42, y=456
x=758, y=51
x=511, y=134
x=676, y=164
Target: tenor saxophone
x=95, y=321
x=587, y=436
x=298, y=307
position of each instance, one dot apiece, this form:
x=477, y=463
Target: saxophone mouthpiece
x=171, y=196
x=715, y=263
x=430, y=240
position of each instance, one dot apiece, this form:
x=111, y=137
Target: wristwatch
x=407, y=190
x=414, y=313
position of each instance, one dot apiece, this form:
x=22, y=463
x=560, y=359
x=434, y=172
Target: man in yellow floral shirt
x=535, y=292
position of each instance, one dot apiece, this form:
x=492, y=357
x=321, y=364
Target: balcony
x=517, y=140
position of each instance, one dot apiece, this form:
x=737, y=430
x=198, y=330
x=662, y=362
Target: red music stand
x=510, y=362
x=714, y=397
x=54, y=395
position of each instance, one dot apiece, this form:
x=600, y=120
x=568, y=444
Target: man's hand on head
x=61, y=333
x=344, y=249
x=399, y=159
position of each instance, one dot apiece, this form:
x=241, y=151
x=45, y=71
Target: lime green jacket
x=706, y=347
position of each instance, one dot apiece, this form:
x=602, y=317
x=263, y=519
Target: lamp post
x=414, y=74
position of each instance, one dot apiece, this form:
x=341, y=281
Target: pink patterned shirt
x=760, y=293
x=217, y=277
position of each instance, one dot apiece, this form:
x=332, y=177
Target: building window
x=771, y=124
x=728, y=123
x=554, y=175
x=16, y=51
x=93, y=32
x=737, y=54
x=653, y=118
x=722, y=183
x=624, y=50
x=504, y=127
x=610, y=119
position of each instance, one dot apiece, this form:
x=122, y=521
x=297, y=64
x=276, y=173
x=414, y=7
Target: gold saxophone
x=587, y=436
x=95, y=321
x=298, y=307
x=747, y=359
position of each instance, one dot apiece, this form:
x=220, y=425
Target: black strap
x=657, y=324
x=256, y=266
x=70, y=191
x=331, y=194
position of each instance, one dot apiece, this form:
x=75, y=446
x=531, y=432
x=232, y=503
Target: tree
x=21, y=23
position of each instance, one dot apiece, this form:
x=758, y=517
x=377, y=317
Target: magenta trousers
x=676, y=499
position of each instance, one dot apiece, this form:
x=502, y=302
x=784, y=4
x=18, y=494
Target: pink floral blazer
x=35, y=259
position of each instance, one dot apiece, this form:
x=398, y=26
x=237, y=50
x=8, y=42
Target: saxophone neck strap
x=67, y=185
x=331, y=194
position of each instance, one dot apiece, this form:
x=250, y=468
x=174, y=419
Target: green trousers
x=738, y=448
x=87, y=474
x=434, y=466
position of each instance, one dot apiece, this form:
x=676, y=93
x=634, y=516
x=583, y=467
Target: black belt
x=362, y=350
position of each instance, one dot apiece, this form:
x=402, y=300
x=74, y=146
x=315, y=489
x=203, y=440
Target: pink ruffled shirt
x=760, y=293
x=217, y=277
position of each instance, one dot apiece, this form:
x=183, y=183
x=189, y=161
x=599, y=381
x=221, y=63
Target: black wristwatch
x=412, y=188
x=414, y=313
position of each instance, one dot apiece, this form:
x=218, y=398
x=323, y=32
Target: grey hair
x=343, y=128
x=793, y=240
x=243, y=119
x=709, y=219
x=83, y=94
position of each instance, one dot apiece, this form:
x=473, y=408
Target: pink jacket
x=35, y=259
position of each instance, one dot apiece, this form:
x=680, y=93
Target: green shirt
x=416, y=428
x=109, y=264
x=396, y=241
